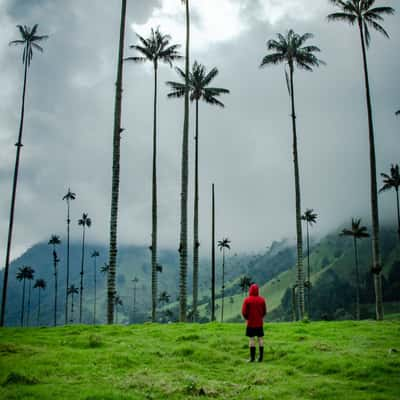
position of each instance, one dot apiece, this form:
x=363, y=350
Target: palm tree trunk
x=55, y=293
x=154, y=208
x=72, y=309
x=213, y=257
x=357, y=281
x=29, y=303
x=115, y=171
x=82, y=263
x=300, y=274
x=23, y=304
x=308, y=272
x=184, y=183
x=38, y=314
x=223, y=285
x=95, y=289
x=376, y=255
x=13, y=197
x=294, y=312
x=66, y=289
x=398, y=212
x=196, y=243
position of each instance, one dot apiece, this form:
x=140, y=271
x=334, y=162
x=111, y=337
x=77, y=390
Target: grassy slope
x=325, y=360
x=333, y=253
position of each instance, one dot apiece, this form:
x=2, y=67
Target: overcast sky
x=246, y=148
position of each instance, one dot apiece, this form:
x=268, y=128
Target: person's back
x=254, y=310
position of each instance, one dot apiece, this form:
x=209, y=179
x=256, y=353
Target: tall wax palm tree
x=356, y=232
x=22, y=275
x=199, y=88
x=155, y=49
x=367, y=16
x=290, y=49
x=94, y=255
x=40, y=284
x=392, y=181
x=71, y=291
x=116, y=170
x=30, y=277
x=54, y=241
x=68, y=198
x=118, y=302
x=85, y=221
x=223, y=244
x=29, y=40
x=310, y=218
x=183, y=245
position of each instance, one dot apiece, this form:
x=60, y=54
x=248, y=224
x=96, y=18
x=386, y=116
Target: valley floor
x=319, y=360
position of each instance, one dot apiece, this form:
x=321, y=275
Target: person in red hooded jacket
x=254, y=310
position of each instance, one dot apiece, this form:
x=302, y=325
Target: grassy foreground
x=324, y=360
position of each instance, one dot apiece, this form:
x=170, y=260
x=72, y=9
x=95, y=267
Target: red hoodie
x=254, y=308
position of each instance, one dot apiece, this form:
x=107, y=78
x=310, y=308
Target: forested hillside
x=332, y=277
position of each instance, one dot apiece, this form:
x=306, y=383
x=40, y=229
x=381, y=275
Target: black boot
x=261, y=355
x=252, y=354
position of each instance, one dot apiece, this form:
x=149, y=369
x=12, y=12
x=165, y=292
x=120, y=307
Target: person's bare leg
x=260, y=349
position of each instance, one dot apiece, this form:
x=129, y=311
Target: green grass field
x=318, y=360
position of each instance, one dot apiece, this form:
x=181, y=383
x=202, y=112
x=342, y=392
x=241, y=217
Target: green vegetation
x=325, y=360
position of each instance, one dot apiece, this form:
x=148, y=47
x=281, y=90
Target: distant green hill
x=331, y=260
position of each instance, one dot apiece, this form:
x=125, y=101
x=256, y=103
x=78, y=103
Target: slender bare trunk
x=376, y=255
x=294, y=312
x=19, y=145
x=154, y=208
x=196, y=243
x=38, y=314
x=223, y=285
x=184, y=182
x=300, y=274
x=116, y=172
x=308, y=272
x=23, y=304
x=67, y=283
x=82, y=273
x=95, y=292
x=213, y=257
x=29, y=303
x=357, y=281
x=398, y=212
x=72, y=309
x=55, y=294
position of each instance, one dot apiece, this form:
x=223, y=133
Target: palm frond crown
x=362, y=12
x=224, y=244
x=156, y=48
x=290, y=49
x=199, y=89
x=40, y=283
x=391, y=181
x=310, y=216
x=29, y=39
x=357, y=231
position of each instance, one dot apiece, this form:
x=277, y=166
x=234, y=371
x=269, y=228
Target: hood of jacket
x=253, y=291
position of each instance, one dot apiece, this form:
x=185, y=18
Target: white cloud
x=211, y=21
x=217, y=21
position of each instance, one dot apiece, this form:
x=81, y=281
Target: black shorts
x=251, y=332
